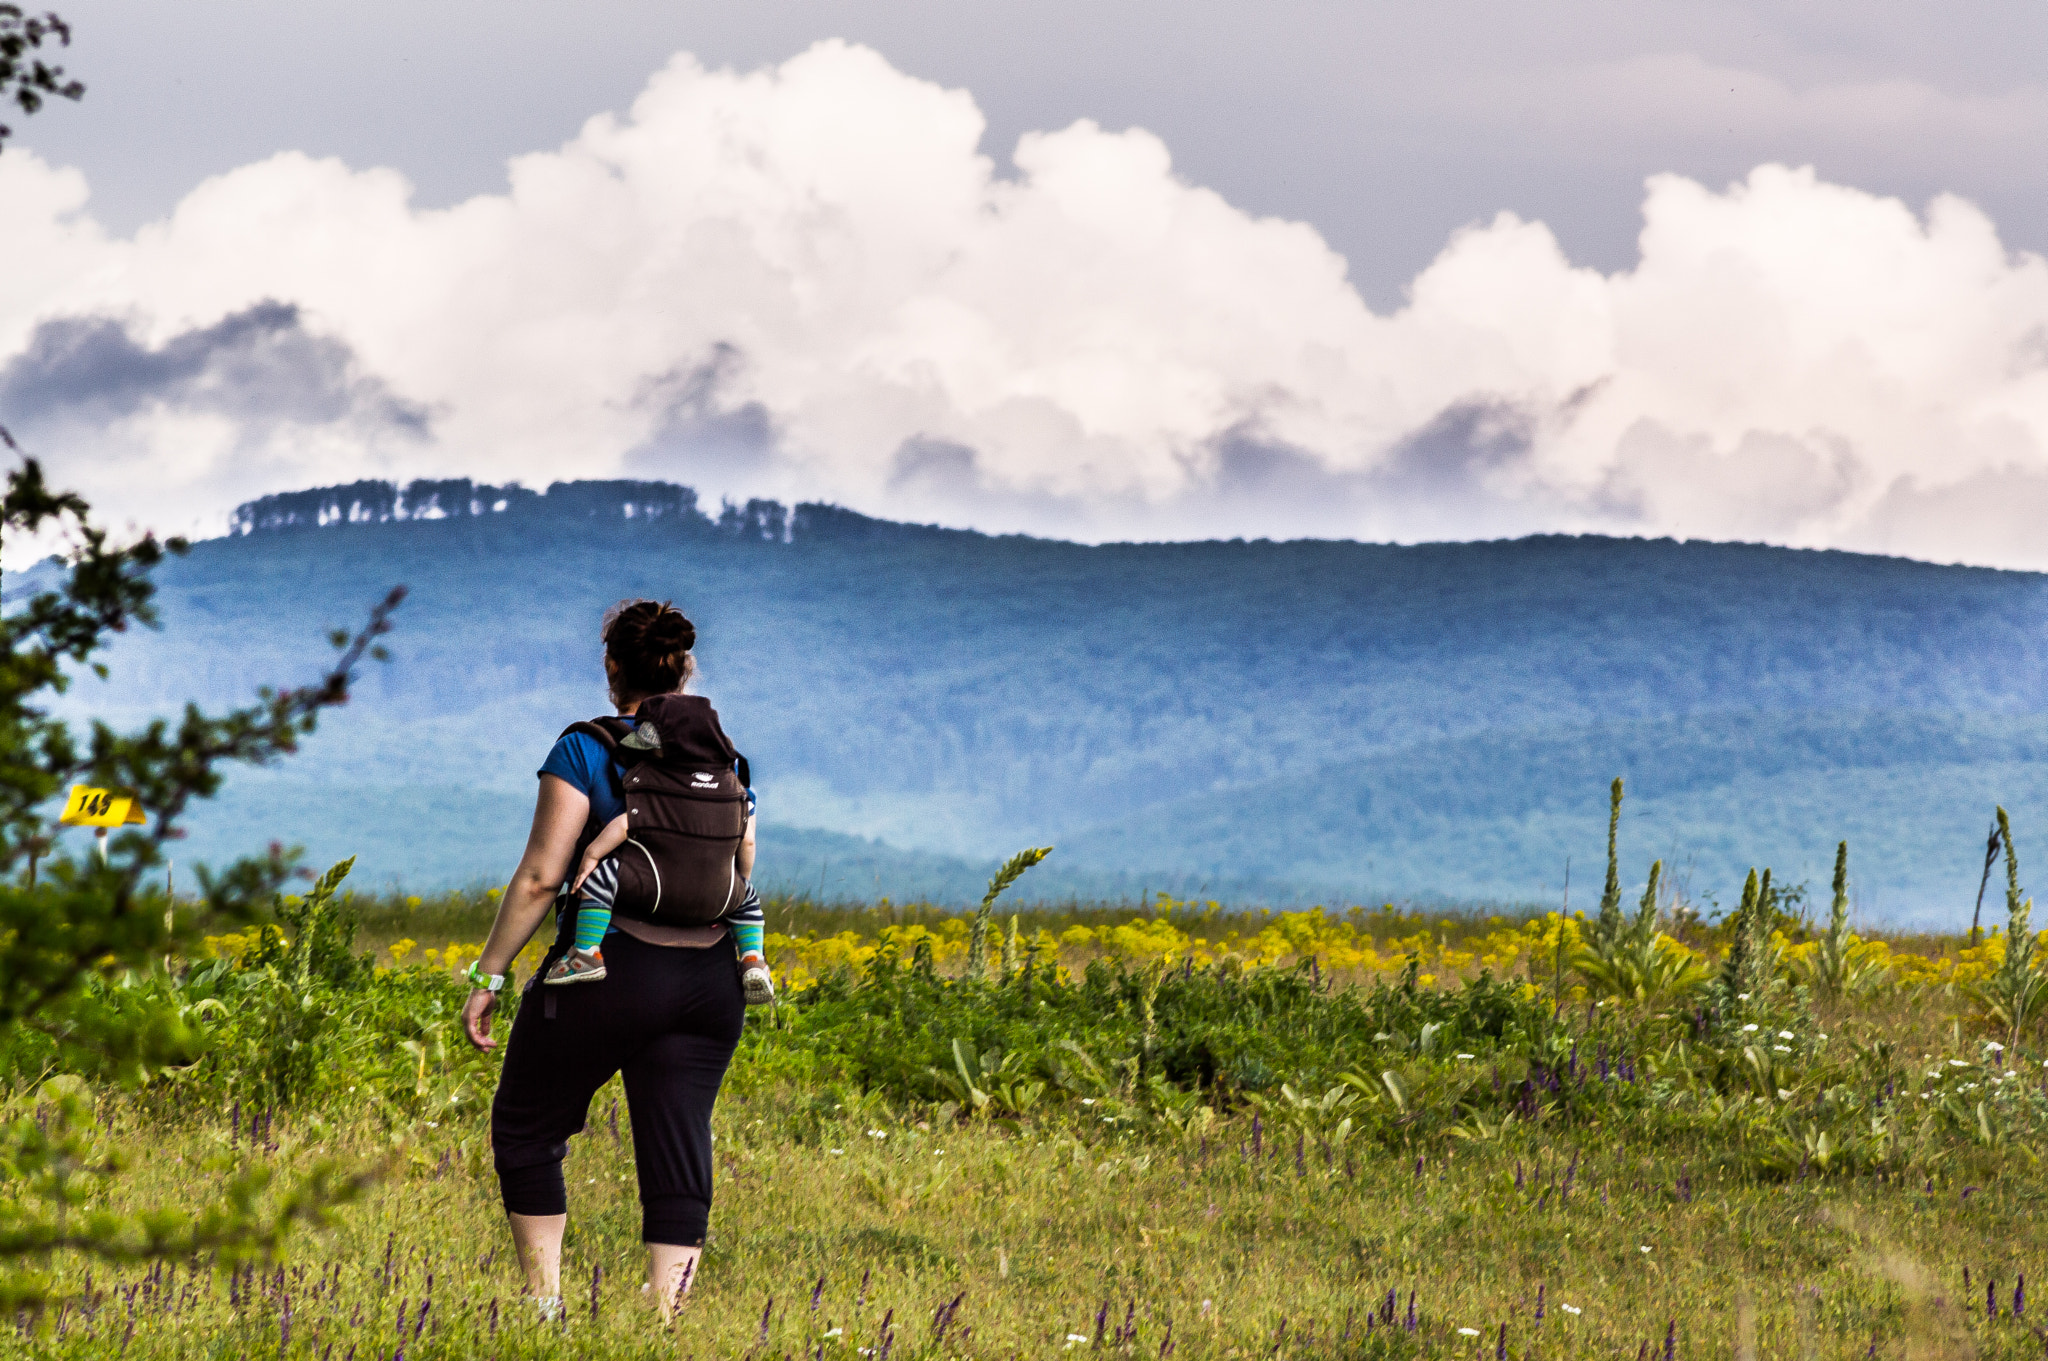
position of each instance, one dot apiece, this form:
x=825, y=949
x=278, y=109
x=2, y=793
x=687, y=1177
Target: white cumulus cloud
x=810, y=281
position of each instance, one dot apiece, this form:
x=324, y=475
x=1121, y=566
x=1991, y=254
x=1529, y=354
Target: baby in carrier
x=672, y=856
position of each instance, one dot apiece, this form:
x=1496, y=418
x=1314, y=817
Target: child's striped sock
x=747, y=935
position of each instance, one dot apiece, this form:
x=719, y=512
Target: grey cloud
x=1454, y=452
x=697, y=435
x=260, y=365
x=935, y=467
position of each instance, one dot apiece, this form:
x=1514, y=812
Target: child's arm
x=603, y=844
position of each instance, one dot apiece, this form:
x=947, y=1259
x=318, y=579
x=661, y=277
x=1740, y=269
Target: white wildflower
x=1781, y=1048
x=836, y=1152
x=878, y=1134
x=1751, y=1026
x=834, y=1332
x=1571, y=1308
x=1466, y=1056
x=1468, y=1332
x=1785, y=1035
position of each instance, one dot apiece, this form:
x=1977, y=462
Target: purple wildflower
x=817, y=1293
x=767, y=1310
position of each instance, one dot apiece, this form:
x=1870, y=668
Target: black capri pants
x=668, y=1018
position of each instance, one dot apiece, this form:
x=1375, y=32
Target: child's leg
x=594, y=909
x=584, y=962
x=748, y=926
x=747, y=937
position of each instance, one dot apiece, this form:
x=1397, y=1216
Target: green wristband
x=489, y=982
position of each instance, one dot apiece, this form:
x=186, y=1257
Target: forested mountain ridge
x=1330, y=714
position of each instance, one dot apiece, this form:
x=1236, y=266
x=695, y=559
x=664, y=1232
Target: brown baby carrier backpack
x=686, y=811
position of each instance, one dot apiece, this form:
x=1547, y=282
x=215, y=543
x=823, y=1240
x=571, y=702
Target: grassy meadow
x=1151, y=1131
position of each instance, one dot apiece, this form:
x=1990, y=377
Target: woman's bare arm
x=558, y=819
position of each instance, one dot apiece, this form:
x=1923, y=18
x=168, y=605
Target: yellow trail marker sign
x=89, y=807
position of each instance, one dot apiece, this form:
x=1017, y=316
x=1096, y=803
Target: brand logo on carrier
x=704, y=777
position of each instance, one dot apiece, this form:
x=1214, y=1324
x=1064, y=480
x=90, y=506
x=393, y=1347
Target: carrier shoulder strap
x=609, y=729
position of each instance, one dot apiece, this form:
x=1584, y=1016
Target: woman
x=668, y=1015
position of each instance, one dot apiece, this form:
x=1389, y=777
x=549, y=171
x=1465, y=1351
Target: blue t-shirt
x=580, y=761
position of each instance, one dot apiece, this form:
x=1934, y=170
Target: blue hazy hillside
x=1265, y=719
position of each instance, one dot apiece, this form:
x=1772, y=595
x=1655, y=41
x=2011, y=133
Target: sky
x=1107, y=270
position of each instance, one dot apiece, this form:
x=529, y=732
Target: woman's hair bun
x=671, y=631
x=649, y=641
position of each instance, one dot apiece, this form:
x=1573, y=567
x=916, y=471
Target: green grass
x=1176, y=1191
x=1240, y=1253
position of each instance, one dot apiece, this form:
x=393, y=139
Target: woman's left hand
x=476, y=1017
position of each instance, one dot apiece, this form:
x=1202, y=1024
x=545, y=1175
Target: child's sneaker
x=578, y=966
x=756, y=982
